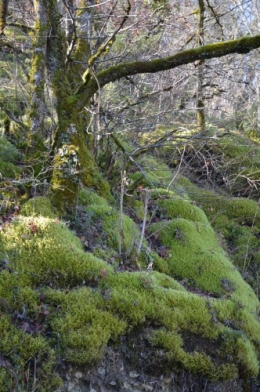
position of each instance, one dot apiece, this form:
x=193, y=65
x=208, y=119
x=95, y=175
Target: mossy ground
x=237, y=222
x=68, y=290
x=59, y=302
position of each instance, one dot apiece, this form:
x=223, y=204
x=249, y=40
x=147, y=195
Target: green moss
x=107, y=219
x=43, y=251
x=29, y=354
x=84, y=328
x=237, y=221
x=199, y=362
x=240, y=349
x=247, y=357
x=227, y=371
x=86, y=306
x=235, y=354
x=159, y=263
x=87, y=196
x=138, y=208
x=38, y=206
x=182, y=208
x=164, y=281
x=194, y=254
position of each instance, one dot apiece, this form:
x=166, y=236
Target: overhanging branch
x=241, y=46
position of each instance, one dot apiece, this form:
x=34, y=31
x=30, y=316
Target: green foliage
x=8, y=155
x=8, y=152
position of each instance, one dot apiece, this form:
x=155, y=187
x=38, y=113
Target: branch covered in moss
x=3, y=14
x=241, y=46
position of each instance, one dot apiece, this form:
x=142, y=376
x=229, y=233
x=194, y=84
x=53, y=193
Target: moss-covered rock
x=23, y=354
x=38, y=206
x=237, y=222
x=195, y=255
x=181, y=208
x=44, y=251
x=71, y=305
x=88, y=196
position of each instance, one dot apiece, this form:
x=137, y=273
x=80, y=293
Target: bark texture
x=3, y=14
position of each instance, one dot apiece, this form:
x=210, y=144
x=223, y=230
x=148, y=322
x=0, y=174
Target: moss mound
x=38, y=206
x=58, y=301
x=237, y=222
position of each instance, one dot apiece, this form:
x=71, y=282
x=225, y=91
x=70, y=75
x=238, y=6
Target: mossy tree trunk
x=3, y=14
x=73, y=162
x=38, y=109
x=67, y=68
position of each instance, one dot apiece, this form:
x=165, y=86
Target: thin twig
x=146, y=199
x=178, y=170
x=121, y=232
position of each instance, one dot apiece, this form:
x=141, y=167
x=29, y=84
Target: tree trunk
x=3, y=14
x=73, y=162
x=38, y=109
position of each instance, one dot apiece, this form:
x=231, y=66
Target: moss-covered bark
x=73, y=162
x=242, y=46
x=79, y=50
x=3, y=14
x=37, y=76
